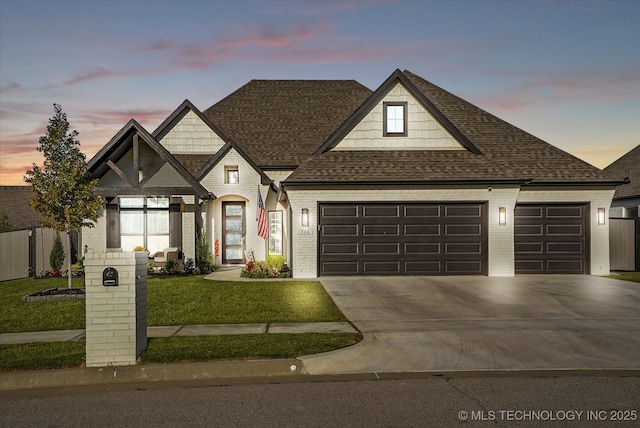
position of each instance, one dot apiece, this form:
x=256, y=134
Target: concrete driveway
x=414, y=324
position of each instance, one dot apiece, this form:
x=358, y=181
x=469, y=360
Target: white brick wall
x=423, y=130
x=116, y=317
x=304, y=260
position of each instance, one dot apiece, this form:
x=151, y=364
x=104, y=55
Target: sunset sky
x=567, y=72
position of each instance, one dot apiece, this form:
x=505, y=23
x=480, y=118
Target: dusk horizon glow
x=566, y=72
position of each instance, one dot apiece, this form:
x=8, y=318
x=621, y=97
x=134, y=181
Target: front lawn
x=176, y=301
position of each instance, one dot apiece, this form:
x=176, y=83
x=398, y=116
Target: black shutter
x=175, y=223
x=113, y=226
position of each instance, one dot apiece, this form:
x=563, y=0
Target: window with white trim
x=395, y=119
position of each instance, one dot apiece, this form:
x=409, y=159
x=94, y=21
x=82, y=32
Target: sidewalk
x=188, y=330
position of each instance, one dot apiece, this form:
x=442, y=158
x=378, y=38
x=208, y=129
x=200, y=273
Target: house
x=405, y=180
x=627, y=197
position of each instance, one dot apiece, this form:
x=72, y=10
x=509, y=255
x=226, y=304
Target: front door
x=234, y=229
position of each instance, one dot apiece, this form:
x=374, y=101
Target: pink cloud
x=11, y=87
x=99, y=73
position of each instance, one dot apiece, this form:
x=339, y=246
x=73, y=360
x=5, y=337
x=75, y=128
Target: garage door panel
x=464, y=211
x=565, y=247
x=430, y=211
x=379, y=229
x=422, y=230
x=403, y=238
x=526, y=229
x=529, y=247
x=554, y=242
x=460, y=267
x=340, y=230
x=568, y=212
x=340, y=249
x=339, y=211
x=375, y=248
x=422, y=248
x=463, y=247
x=423, y=267
x=564, y=229
x=380, y=211
x=340, y=267
x=463, y=229
x=523, y=211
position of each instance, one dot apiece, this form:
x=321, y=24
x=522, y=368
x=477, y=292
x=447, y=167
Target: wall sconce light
x=502, y=216
x=305, y=217
x=601, y=216
x=140, y=175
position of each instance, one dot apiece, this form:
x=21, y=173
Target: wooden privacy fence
x=624, y=244
x=25, y=253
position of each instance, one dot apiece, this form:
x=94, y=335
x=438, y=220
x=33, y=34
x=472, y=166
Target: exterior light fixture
x=502, y=216
x=601, y=216
x=305, y=217
x=140, y=175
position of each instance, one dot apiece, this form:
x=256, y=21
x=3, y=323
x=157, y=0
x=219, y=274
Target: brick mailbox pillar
x=116, y=302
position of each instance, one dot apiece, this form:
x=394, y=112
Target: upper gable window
x=231, y=175
x=395, y=119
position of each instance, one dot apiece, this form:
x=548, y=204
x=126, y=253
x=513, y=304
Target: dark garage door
x=551, y=238
x=407, y=238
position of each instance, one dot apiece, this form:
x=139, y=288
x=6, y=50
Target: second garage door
x=403, y=238
x=551, y=238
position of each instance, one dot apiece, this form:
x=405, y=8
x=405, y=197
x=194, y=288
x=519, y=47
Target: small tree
x=63, y=190
x=56, y=257
x=5, y=224
x=204, y=258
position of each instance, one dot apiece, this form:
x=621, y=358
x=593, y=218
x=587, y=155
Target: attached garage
x=402, y=239
x=551, y=238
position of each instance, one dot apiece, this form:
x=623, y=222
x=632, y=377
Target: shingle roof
x=627, y=166
x=192, y=162
x=282, y=122
x=507, y=152
x=14, y=202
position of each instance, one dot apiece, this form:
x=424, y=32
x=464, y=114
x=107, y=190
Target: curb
x=87, y=376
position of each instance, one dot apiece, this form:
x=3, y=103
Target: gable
x=191, y=135
x=424, y=132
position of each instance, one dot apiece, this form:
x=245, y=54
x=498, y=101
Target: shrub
x=172, y=267
x=267, y=269
x=56, y=256
x=204, y=259
x=77, y=269
x=276, y=261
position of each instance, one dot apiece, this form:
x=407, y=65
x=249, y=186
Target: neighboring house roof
x=627, y=166
x=279, y=123
x=496, y=150
x=14, y=202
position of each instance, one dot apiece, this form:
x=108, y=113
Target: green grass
x=627, y=276
x=34, y=356
x=244, y=346
x=176, y=301
x=57, y=355
x=18, y=316
x=195, y=300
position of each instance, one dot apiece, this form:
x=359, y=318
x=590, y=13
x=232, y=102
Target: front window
x=144, y=222
x=395, y=119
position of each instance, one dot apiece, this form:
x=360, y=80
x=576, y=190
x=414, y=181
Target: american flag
x=263, y=229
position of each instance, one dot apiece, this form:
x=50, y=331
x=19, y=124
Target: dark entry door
x=402, y=239
x=551, y=238
x=234, y=232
